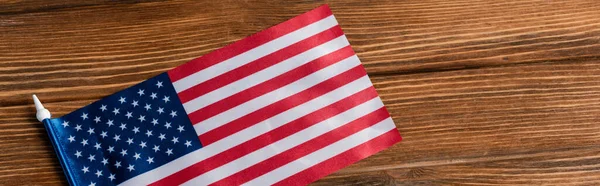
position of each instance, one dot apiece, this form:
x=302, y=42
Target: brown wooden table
x=483, y=92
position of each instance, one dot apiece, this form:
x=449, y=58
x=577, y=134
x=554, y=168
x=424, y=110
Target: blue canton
x=124, y=135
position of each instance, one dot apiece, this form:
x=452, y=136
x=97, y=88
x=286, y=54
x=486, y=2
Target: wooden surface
x=483, y=92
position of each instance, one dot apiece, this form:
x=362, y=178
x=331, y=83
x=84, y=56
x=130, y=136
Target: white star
x=159, y=84
x=98, y=173
x=84, y=116
x=103, y=108
x=116, y=111
x=103, y=134
x=71, y=139
x=188, y=143
x=90, y=130
x=118, y=164
x=130, y=168
x=154, y=121
x=122, y=100
x=169, y=152
x=175, y=140
x=78, y=127
x=117, y=137
x=129, y=141
x=136, y=130
x=92, y=184
x=156, y=148
x=160, y=110
x=148, y=133
x=84, y=142
x=65, y=124
x=173, y=114
x=111, y=177
x=180, y=128
x=142, y=118
x=143, y=144
x=123, y=126
x=129, y=115
x=123, y=152
x=97, y=119
x=153, y=95
x=148, y=107
x=110, y=123
x=104, y=161
x=85, y=169
x=111, y=149
x=134, y=103
x=166, y=99
x=92, y=157
x=140, y=92
x=168, y=125
x=150, y=160
x=97, y=146
x=162, y=137
x=78, y=153
x=136, y=156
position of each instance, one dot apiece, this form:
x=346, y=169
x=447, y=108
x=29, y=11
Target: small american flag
x=285, y=106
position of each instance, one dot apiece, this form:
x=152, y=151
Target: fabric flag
x=285, y=106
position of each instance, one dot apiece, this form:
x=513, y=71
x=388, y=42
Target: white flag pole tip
x=42, y=113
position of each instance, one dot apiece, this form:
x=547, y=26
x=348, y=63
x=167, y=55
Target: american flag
x=285, y=106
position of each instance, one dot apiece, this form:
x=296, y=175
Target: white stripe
x=249, y=133
x=265, y=74
x=324, y=153
x=276, y=95
x=255, y=53
x=287, y=143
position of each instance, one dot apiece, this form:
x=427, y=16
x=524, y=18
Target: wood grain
x=483, y=92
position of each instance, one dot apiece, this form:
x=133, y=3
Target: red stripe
x=249, y=43
x=268, y=138
x=282, y=105
x=305, y=148
x=259, y=64
x=270, y=85
x=342, y=160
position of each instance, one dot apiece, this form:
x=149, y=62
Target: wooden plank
x=552, y=167
x=448, y=120
x=483, y=92
x=10, y=7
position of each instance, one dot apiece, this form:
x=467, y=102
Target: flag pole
x=42, y=113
